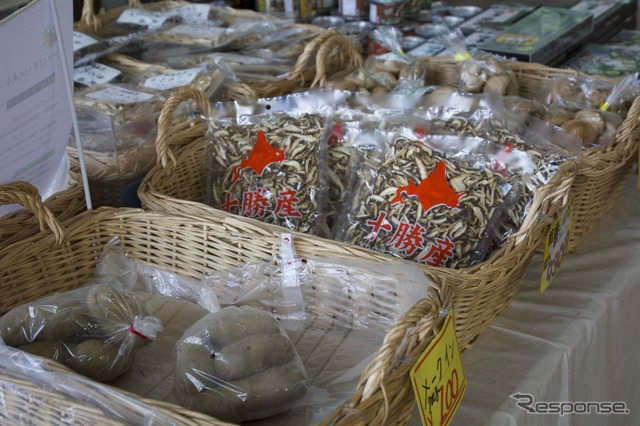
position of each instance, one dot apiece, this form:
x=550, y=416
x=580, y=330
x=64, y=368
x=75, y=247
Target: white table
x=579, y=341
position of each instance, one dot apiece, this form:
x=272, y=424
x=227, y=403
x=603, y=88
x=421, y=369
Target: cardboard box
x=496, y=17
x=608, y=15
x=543, y=36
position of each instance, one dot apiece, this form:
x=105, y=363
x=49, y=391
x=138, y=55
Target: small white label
x=119, y=95
x=193, y=14
x=290, y=285
x=197, y=31
x=94, y=74
x=81, y=40
x=172, y=80
x=143, y=17
x=349, y=8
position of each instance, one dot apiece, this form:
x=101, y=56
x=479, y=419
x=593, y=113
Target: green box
x=543, y=36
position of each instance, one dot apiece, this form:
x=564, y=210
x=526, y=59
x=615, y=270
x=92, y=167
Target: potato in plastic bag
x=238, y=364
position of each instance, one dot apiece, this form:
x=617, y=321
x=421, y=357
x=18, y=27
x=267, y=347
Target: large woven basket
x=64, y=205
x=602, y=172
x=64, y=257
x=109, y=173
x=480, y=293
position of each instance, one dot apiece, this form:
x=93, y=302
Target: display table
x=576, y=342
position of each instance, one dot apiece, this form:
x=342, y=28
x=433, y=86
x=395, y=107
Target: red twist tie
x=137, y=333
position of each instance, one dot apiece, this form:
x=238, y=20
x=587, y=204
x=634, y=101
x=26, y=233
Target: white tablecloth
x=579, y=341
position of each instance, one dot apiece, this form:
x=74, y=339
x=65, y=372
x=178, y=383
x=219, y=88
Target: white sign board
x=35, y=118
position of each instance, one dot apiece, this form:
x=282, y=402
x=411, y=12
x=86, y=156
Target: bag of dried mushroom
x=588, y=107
x=415, y=203
x=481, y=72
x=473, y=130
x=267, y=159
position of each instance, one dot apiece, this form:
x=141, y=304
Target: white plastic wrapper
x=19, y=367
x=238, y=364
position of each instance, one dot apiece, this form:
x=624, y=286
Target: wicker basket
x=602, y=172
x=109, y=173
x=64, y=205
x=480, y=293
x=64, y=257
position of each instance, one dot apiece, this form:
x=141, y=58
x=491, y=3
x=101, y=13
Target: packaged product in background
x=479, y=72
x=625, y=38
x=580, y=106
x=496, y=17
x=545, y=36
x=117, y=126
x=612, y=61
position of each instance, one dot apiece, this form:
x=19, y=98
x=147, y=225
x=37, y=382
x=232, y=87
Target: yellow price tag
x=438, y=377
x=556, y=246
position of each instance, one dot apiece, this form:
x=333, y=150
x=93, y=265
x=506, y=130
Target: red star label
x=260, y=157
x=434, y=190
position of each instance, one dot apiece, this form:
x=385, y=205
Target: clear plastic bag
x=93, y=330
x=238, y=364
x=480, y=72
x=138, y=277
x=622, y=95
x=595, y=127
x=394, y=64
x=336, y=311
x=267, y=160
x=579, y=91
x=22, y=372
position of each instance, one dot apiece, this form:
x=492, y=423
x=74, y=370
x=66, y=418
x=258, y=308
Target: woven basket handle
x=166, y=115
x=330, y=42
x=349, y=58
x=27, y=195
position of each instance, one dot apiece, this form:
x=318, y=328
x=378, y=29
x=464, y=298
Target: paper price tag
x=172, y=80
x=438, y=377
x=146, y=18
x=120, y=95
x=81, y=40
x=556, y=246
x=194, y=13
x=94, y=74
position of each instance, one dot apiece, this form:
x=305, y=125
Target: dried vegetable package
x=269, y=167
x=525, y=150
x=421, y=206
